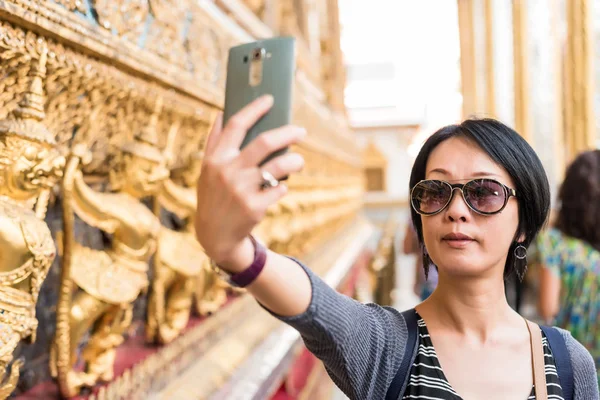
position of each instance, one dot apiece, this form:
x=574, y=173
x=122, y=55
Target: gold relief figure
x=265, y=230
x=205, y=48
x=30, y=166
x=286, y=215
x=300, y=220
x=182, y=269
x=126, y=18
x=211, y=290
x=165, y=36
x=73, y=5
x=99, y=287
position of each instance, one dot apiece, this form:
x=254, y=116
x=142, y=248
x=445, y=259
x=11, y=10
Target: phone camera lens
x=257, y=54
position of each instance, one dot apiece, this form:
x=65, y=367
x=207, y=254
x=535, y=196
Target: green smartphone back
x=276, y=78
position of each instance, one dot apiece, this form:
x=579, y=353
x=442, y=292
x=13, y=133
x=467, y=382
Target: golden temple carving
x=182, y=270
x=108, y=281
x=73, y=5
x=128, y=89
x=382, y=267
x=124, y=18
x=29, y=168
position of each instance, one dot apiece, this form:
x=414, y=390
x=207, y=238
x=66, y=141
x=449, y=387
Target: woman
x=569, y=255
x=470, y=327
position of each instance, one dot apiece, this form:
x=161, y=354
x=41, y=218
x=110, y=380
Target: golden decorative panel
x=104, y=111
x=30, y=166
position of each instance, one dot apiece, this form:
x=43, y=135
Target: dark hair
x=579, y=196
x=507, y=148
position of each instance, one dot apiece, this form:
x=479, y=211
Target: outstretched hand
x=231, y=201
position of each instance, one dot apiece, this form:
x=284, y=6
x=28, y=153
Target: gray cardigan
x=362, y=346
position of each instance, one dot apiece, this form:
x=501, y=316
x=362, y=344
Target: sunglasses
x=484, y=196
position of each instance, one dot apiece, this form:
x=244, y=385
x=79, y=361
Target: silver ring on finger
x=268, y=180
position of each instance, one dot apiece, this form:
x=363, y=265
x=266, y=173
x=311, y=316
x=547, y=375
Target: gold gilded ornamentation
x=207, y=57
x=126, y=18
x=165, y=37
x=29, y=167
x=181, y=268
x=95, y=105
x=383, y=266
x=108, y=281
x=73, y=5
x=168, y=363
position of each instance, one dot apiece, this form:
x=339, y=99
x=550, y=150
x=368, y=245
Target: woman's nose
x=458, y=210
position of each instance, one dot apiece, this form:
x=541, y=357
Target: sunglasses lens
x=485, y=195
x=429, y=197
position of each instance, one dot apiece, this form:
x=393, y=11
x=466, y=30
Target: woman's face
x=458, y=160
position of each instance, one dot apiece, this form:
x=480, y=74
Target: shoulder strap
x=403, y=373
x=562, y=359
x=537, y=356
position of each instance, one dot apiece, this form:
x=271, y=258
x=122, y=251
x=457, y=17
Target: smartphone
x=256, y=69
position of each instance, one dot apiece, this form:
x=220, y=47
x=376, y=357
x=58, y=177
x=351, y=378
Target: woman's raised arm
x=361, y=345
x=231, y=203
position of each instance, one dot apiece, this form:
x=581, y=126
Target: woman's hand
x=230, y=199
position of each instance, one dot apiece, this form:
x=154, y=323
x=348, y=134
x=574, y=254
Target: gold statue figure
x=181, y=268
x=29, y=167
x=106, y=282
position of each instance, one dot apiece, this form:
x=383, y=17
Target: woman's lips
x=458, y=244
x=457, y=240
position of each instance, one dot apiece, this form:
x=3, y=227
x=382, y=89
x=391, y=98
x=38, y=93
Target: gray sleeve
x=361, y=345
x=584, y=369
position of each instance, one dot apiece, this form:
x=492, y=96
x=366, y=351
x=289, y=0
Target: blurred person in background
x=569, y=255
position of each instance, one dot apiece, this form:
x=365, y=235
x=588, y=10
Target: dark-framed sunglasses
x=484, y=196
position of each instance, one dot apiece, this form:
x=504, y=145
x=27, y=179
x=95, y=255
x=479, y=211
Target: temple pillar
x=521, y=72
x=544, y=90
x=503, y=57
x=477, y=61
x=579, y=78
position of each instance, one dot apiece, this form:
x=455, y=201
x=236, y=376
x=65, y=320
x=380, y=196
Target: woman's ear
x=521, y=238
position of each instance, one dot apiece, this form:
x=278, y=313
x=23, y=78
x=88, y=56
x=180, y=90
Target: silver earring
x=520, y=253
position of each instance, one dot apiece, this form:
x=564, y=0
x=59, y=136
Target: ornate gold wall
x=104, y=111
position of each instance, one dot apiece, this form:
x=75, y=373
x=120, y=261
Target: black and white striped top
x=428, y=382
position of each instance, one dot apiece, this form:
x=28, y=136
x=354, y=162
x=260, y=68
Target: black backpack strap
x=562, y=359
x=403, y=373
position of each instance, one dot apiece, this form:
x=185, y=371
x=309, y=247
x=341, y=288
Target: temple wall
x=122, y=95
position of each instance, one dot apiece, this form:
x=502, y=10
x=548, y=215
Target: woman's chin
x=464, y=272
x=460, y=265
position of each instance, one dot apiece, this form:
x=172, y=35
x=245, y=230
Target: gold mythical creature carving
x=181, y=268
x=29, y=167
x=105, y=282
